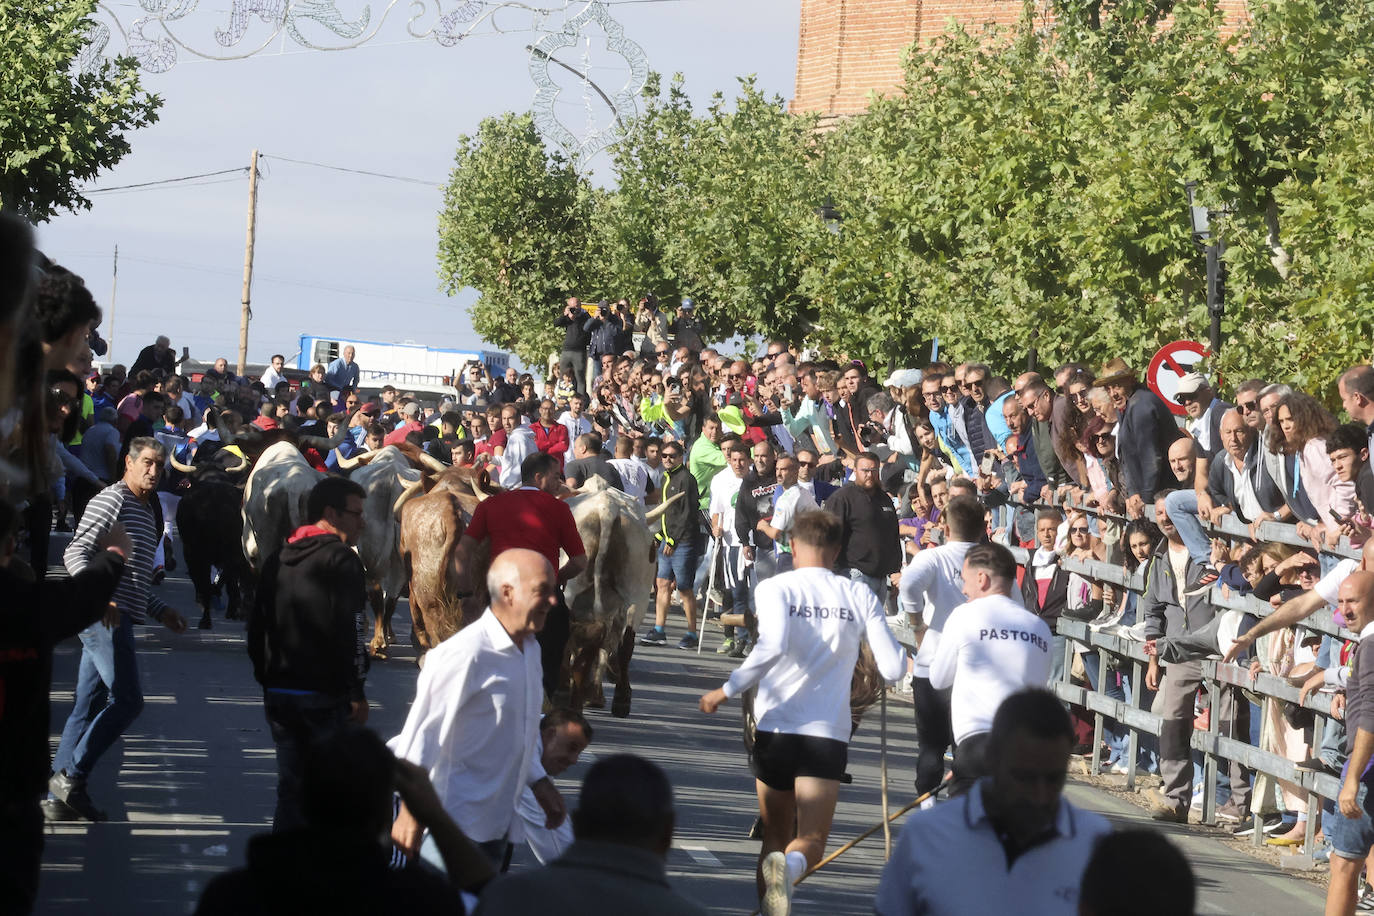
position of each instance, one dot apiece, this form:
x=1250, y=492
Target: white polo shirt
x=724, y=492
x=991, y=647
x=811, y=623
x=933, y=583
x=950, y=861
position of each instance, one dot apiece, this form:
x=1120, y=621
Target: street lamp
x=1201, y=219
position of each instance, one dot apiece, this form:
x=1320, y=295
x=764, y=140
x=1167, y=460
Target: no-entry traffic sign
x=1169, y=365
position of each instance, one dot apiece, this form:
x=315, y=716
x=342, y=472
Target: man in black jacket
x=1143, y=436
x=870, y=549
x=677, y=549
x=754, y=505
x=574, y=323
x=307, y=636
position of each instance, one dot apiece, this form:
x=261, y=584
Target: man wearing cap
x=1184, y=506
x=1143, y=435
x=686, y=329
x=410, y=422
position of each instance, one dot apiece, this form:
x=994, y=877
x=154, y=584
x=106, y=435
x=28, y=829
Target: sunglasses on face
x=954, y=387
x=673, y=456
x=1103, y=437
x=1247, y=406
x=1083, y=530
x=1186, y=398
x=1080, y=396
x=806, y=464
x=975, y=383
x=661, y=352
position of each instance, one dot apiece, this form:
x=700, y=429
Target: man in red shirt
x=534, y=518
x=550, y=436
x=411, y=423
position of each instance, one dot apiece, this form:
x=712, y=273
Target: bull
x=385, y=475
x=208, y=521
x=606, y=600
x=275, y=500
x=434, y=513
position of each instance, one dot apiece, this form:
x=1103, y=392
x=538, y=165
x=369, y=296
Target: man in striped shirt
x=108, y=695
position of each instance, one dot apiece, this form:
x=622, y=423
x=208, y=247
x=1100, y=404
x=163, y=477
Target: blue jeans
x=1116, y=735
x=1182, y=508
x=108, y=697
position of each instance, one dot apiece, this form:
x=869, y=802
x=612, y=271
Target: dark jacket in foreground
x=318, y=871
x=592, y=878
x=307, y=629
x=36, y=615
x=679, y=522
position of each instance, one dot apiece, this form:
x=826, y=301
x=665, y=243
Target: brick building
x=849, y=48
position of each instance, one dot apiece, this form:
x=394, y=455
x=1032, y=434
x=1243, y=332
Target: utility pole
x=114, y=285
x=247, y=310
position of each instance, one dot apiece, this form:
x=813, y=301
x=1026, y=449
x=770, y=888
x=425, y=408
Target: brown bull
x=432, y=522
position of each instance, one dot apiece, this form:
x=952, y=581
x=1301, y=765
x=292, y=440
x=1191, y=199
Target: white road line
x=701, y=855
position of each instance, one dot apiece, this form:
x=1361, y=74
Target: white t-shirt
x=575, y=426
x=655, y=473
x=811, y=623
x=991, y=647
x=1330, y=583
x=724, y=492
x=934, y=583
x=520, y=445
x=633, y=477
x=794, y=499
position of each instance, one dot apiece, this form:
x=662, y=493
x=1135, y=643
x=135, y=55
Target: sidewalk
x=1228, y=881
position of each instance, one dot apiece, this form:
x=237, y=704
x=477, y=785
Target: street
x=194, y=778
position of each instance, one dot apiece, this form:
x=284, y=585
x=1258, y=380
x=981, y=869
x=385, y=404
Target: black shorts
x=779, y=758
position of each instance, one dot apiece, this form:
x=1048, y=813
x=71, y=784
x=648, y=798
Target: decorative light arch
x=162, y=32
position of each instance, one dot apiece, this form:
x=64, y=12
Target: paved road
x=195, y=778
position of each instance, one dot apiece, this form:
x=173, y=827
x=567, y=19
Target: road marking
x=701, y=855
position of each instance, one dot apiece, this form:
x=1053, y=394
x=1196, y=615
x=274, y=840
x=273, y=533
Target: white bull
x=274, y=500
x=607, y=600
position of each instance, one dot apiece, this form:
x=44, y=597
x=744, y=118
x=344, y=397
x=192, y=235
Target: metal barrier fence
x=1129, y=654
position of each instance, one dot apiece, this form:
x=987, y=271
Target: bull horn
x=653, y=514
x=412, y=489
x=348, y=464
x=238, y=468
x=183, y=468
x=434, y=464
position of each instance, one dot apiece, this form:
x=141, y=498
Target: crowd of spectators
x=1084, y=463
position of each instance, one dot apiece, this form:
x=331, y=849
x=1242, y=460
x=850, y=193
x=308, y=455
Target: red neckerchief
x=306, y=531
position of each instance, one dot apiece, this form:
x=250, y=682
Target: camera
x=604, y=419
x=97, y=343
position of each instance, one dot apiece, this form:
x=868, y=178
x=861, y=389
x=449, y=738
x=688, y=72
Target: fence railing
x=1118, y=651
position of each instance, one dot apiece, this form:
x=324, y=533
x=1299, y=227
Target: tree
x=516, y=225
x=60, y=126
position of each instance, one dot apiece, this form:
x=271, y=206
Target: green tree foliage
x=59, y=127
x=516, y=225
x=1024, y=194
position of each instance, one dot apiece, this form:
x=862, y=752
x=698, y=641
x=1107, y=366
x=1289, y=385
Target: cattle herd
x=247, y=494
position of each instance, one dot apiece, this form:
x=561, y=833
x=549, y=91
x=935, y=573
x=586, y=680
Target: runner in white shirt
x=789, y=500
x=634, y=479
x=520, y=444
x=724, y=492
x=991, y=647
x=811, y=625
x=563, y=735
x=931, y=587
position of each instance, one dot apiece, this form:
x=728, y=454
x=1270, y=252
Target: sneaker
x=55, y=811
x=716, y=597
x=688, y=641
x=1316, y=764
x=159, y=574
x=1173, y=814
x=62, y=525
x=1119, y=768
x=1231, y=812
x=1268, y=822
x=726, y=647
x=653, y=637
x=73, y=793
x=777, y=890
x=741, y=649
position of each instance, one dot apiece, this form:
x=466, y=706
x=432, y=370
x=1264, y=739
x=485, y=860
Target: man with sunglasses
x=939, y=392
x=677, y=555
x=307, y=636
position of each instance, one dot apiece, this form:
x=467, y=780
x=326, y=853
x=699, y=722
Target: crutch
x=710, y=587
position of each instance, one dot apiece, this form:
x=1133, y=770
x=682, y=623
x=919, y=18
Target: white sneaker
x=777, y=890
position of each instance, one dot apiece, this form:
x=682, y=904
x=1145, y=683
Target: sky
x=340, y=253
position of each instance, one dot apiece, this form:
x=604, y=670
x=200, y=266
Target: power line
x=339, y=168
x=165, y=181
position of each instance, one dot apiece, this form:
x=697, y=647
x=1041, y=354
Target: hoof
x=205, y=623
x=620, y=706
x=595, y=702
